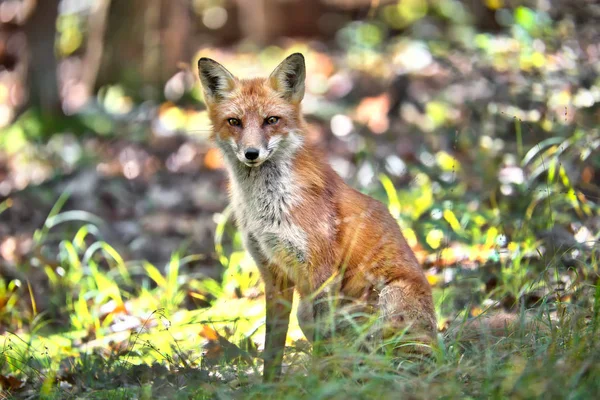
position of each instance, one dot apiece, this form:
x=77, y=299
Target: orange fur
x=317, y=230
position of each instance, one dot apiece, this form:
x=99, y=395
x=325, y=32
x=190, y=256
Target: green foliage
x=92, y=275
x=116, y=328
x=8, y=300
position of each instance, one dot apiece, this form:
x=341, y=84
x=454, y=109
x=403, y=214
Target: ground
x=122, y=276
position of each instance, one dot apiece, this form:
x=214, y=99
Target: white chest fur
x=263, y=199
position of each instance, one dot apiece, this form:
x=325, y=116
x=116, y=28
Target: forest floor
x=122, y=275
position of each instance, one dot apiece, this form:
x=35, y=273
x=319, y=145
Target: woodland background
x=121, y=275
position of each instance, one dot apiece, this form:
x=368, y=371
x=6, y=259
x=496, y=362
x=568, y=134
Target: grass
x=562, y=362
x=113, y=329
x=84, y=322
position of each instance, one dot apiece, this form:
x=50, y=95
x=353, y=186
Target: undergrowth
x=117, y=329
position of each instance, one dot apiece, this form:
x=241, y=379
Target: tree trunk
x=123, y=55
x=261, y=20
x=40, y=30
x=176, y=31
x=145, y=41
x=265, y=22
x=95, y=45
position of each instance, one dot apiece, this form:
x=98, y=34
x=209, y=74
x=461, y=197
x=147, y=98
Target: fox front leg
x=279, y=295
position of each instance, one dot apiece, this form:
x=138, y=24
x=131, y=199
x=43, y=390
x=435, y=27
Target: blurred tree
x=124, y=42
x=176, y=29
x=40, y=30
x=145, y=42
x=13, y=55
x=92, y=59
x=261, y=21
x=264, y=21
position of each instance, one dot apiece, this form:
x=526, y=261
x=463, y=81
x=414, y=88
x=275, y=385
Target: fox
x=305, y=227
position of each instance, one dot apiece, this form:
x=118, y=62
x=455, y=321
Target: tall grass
x=201, y=338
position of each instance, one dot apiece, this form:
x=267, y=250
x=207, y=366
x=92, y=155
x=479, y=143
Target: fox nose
x=251, y=153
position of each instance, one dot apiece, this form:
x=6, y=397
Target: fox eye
x=234, y=122
x=271, y=120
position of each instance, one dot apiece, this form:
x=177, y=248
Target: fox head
x=254, y=120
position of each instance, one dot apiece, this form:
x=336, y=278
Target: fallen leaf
x=209, y=333
x=9, y=382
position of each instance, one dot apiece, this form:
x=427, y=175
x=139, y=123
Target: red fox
x=303, y=225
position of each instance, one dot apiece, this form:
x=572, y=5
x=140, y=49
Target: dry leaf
x=209, y=333
x=9, y=382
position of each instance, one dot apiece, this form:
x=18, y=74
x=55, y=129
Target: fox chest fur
x=264, y=199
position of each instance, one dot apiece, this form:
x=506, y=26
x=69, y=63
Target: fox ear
x=216, y=80
x=288, y=78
